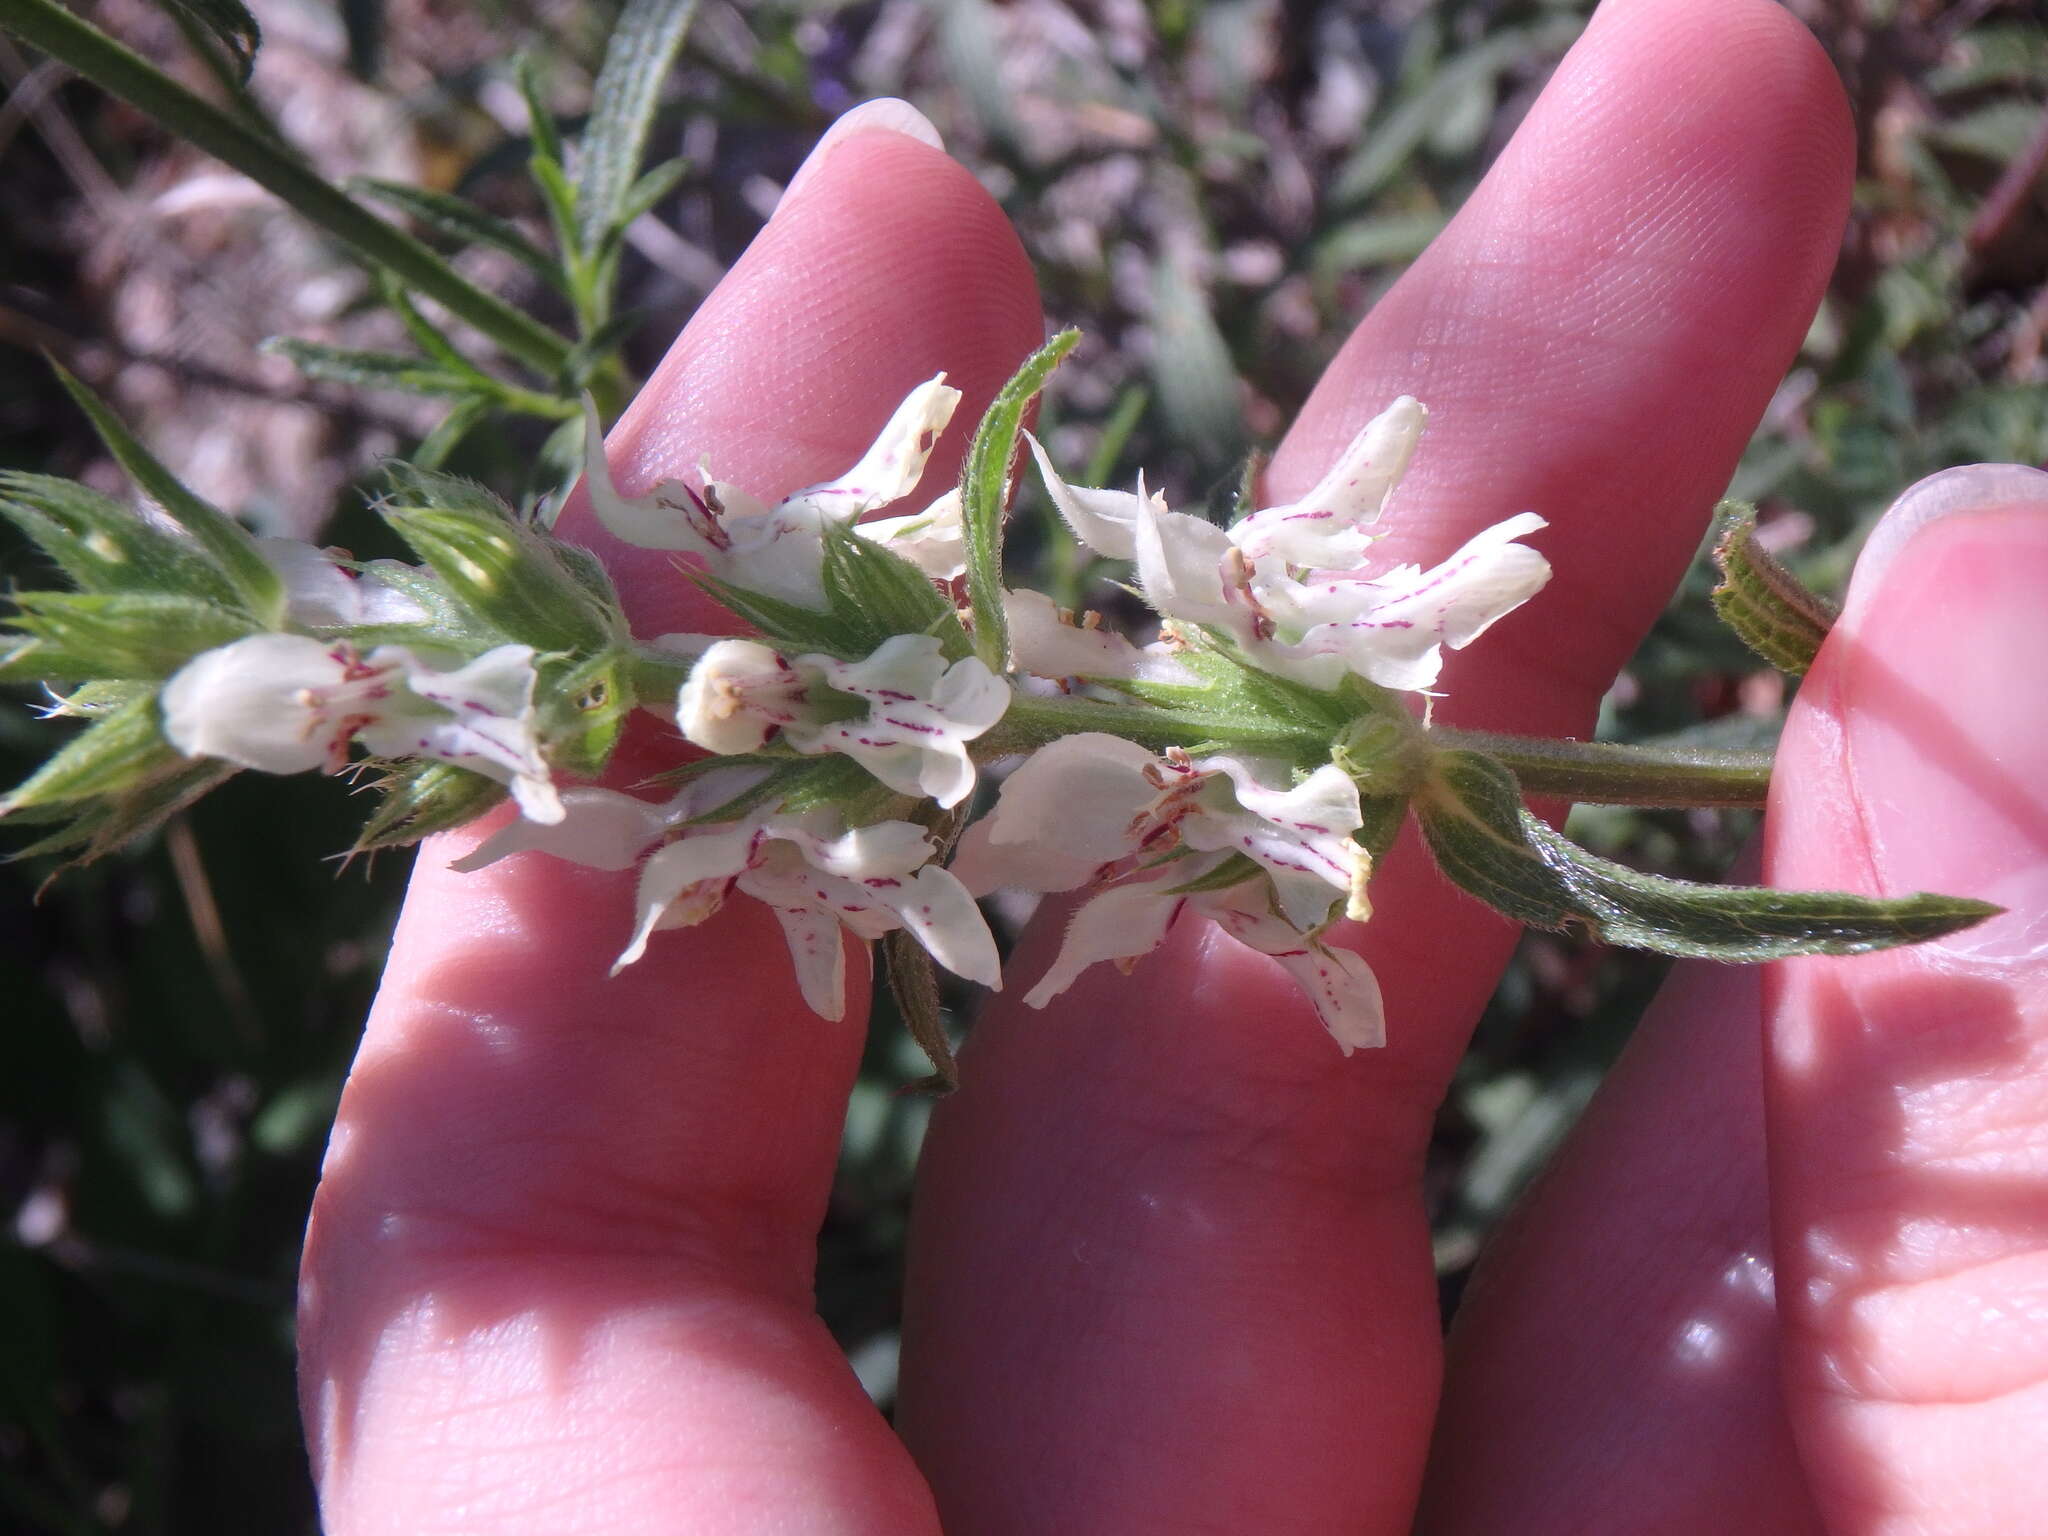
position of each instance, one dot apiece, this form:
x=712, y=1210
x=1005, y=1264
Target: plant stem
x=274, y=165
x=1033, y=720
x=1605, y=773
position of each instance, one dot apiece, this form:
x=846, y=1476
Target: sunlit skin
x=1170, y=1271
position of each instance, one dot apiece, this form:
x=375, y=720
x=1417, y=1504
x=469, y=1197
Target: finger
x=559, y=1272
x=1616, y=1352
x=1907, y=1092
x=1234, y=1309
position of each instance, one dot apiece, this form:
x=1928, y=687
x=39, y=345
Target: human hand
x=1171, y=1270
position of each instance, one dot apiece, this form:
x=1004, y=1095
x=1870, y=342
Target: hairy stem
x=1604, y=773
x=1033, y=720
x=274, y=165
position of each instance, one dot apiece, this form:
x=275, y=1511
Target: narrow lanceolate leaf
x=876, y=595
x=374, y=370
x=423, y=797
x=1777, y=615
x=85, y=635
x=114, y=753
x=790, y=627
x=462, y=221
x=231, y=25
x=984, y=492
x=1487, y=842
x=642, y=50
x=494, y=565
x=914, y=983
x=90, y=829
x=229, y=544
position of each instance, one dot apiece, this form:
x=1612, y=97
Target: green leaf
x=984, y=492
x=421, y=798
x=271, y=163
x=1388, y=144
x=1236, y=701
x=641, y=198
x=448, y=625
x=374, y=370
x=448, y=434
x=230, y=545
x=874, y=595
x=462, y=221
x=547, y=142
x=231, y=25
x=1774, y=612
x=503, y=570
x=914, y=983
x=560, y=198
x=113, y=754
x=104, y=546
x=84, y=635
x=642, y=50
x=599, y=348
x=1488, y=843
x=791, y=627
x=98, y=827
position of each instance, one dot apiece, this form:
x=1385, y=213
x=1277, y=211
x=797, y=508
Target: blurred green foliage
x=1214, y=192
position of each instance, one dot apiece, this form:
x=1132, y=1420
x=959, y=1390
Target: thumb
x=1907, y=1092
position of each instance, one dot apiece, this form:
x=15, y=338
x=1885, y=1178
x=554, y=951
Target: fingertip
x=1600, y=327
x=885, y=264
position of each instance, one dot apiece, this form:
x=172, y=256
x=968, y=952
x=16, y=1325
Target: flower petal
x=921, y=715
x=1074, y=804
x=1342, y=986
x=738, y=695
x=940, y=913
x=700, y=857
x=599, y=829
x=1180, y=567
x=278, y=703
x=1106, y=521
x=1324, y=527
x=1390, y=628
x=932, y=540
x=1123, y=923
x=318, y=593
x=1046, y=645
x=1301, y=836
x=889, y=470
x=671, y=516
x=488, y=722
x=818, y=953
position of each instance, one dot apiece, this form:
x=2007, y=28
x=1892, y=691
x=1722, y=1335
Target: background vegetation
x=1214, y=192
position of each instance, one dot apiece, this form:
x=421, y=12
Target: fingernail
x=1943, y=688
x=885, y=114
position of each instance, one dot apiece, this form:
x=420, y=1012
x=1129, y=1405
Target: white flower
x=777, y=549
x=1096, y=809
x=1046, y=642
x=320, y=594
x=290, y=703
x=738, y=695
x=818, y=876
x=1291, y=583
x=922, y=711
x=1129, y=921
x=932, y=540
